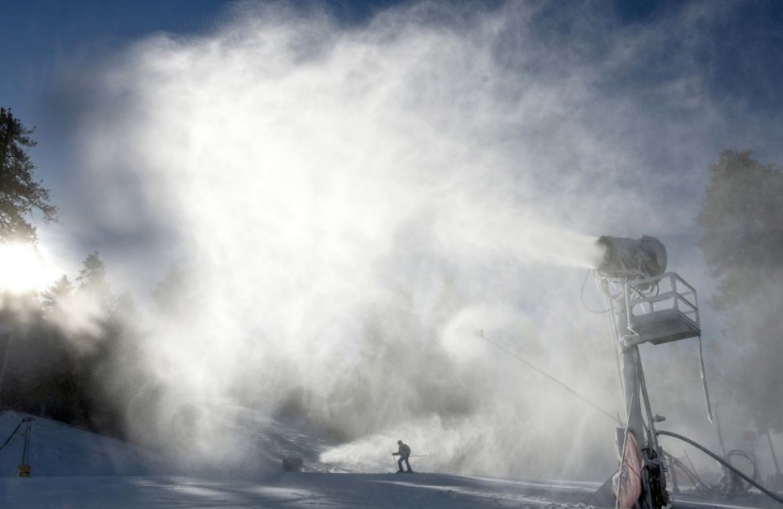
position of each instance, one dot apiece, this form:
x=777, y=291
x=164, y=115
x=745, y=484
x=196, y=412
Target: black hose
x=724, y=463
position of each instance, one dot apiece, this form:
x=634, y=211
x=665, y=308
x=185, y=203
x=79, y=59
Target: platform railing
x=661, y=309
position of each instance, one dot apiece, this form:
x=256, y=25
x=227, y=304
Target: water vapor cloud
x=353, y=205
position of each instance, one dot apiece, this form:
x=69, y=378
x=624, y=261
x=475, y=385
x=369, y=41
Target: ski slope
x=73, y=468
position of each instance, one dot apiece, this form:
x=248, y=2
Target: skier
x=404, y=453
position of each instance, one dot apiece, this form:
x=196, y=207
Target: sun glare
x=21, y=268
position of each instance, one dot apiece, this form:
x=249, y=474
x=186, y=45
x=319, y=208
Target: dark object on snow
x=292, y=464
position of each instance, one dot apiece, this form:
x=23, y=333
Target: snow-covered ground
x=290, y=490
x=57, y=449
x=73, y=468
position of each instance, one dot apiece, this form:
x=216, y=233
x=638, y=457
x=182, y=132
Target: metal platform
x=661, y=309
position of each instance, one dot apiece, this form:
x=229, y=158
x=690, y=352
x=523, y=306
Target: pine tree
x=20, y=193
x=61, y=290
x=742, y=245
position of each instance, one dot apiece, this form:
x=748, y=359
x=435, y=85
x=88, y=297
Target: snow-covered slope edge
x=57, y=449
x=76, y=468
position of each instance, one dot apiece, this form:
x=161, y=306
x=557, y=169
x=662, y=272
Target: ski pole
x=395, y=462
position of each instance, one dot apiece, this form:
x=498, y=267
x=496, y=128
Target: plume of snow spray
x=352, y=206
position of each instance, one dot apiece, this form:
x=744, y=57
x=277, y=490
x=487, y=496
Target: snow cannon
x=630, y=258
x=649, y=305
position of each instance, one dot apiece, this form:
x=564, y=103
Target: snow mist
x=351, y=208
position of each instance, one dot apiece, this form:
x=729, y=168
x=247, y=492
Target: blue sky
x=736, y=48
x=51, y=38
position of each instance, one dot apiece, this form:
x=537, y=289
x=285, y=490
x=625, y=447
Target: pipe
x=774, y=456
x=724, y=463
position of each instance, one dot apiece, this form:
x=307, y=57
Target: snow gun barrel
x=623, y=258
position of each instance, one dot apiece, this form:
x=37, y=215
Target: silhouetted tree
x=743, y=246
x=105, y=335
x=70, y=351
x=28, y=354
x=57, y=293
x=743, y=226
x=20, y=194
x=92, y=278
x=108, y=365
